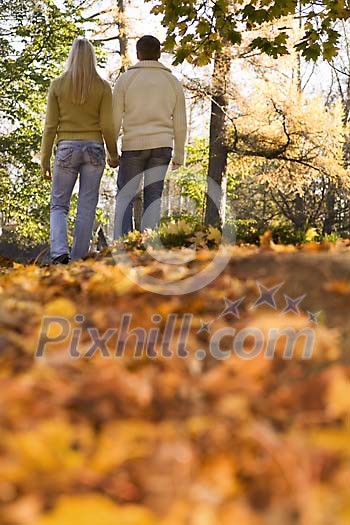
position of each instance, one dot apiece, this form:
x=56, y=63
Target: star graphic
x=267, y=295
x=312, y=317
x=205, y=327
x=292, y=304
x=232, y=307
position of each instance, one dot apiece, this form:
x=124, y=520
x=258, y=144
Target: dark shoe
x=61, y=259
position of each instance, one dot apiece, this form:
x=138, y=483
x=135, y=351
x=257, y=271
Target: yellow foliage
x=46, y=449
x=60, y=307
x=311, y=234
x=174, y=441
x=274, y=117
x=339, y=393
x=333, y=440
x=122, y=441
x=179, y=227
x=109, y=280
x=95, y=510
x=214, y=235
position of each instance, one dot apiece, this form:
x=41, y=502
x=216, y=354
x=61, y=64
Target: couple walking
x=83, y=115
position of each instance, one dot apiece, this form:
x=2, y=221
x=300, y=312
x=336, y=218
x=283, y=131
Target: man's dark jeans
x=153, y=163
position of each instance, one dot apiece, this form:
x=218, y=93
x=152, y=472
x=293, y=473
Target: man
x=149, y=106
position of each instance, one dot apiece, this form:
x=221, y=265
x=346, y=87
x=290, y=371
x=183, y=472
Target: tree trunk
x=330, y=213
x=299, y=216
x=123, y=36
x=216, y=176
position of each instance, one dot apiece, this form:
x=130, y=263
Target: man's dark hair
x=148, y=48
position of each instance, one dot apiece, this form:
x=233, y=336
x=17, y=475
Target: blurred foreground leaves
x=173, y=441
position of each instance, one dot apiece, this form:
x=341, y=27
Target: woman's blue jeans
x=73, y=157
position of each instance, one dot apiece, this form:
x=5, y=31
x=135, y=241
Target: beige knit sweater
x=149, y=106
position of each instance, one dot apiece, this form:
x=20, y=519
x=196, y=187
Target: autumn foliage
x=174, y=441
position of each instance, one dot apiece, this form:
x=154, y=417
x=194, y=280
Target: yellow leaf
x=214, y=235
x=110, y=280
x=179, y=227
x=311, y=234
x=96, y=510
x=333, y=440
x=266, y=239
x=60, y=307
x=120, y=442
x=339, y=394
x=47, y=448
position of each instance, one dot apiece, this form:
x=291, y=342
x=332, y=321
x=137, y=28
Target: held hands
x=46, y=172
x=113, y=163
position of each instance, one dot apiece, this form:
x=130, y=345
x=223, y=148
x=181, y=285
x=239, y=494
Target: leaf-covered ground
x=177, y=440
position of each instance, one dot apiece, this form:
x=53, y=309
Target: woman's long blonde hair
x=81, y=69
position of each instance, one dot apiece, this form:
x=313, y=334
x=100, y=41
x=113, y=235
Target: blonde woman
x=79, y=116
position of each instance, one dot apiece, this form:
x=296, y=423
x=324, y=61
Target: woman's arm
x=50, y=129
x=107, y=124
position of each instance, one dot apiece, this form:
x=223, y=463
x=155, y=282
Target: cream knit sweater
x=149, y=106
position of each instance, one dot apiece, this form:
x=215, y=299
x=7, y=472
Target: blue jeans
x=153, y=163
x=87, y=158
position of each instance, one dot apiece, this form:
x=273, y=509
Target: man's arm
x=118, y=105
x=180, y=126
